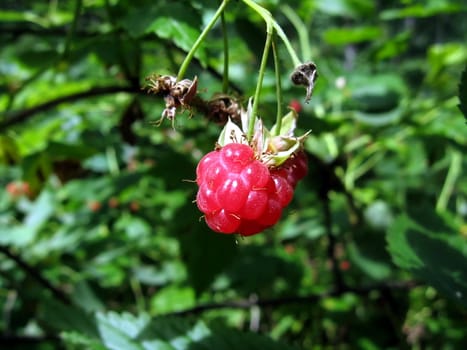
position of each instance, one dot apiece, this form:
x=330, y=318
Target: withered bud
x=305, y=75
x=175, y=93
x=221, y=107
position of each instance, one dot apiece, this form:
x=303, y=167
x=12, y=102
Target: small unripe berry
x=295, y=105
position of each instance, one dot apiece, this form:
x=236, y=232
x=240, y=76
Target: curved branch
x=13, y=340
x=16, y=117
x=312, y=298
x=34, y=273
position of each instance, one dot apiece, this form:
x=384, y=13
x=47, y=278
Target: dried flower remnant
x=305, y=75
x=222, y=107
x=175, y=93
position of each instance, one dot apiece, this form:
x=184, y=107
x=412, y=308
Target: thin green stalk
x=295, y=60
x=112, y=161
x=301, y=29
x=225, y=74
x=278, y=88
x=138, y=293
x=71, y=32
x=202, y=36
x=270, y=21
x=118, y=40
x=454, y=172
x=259, y=84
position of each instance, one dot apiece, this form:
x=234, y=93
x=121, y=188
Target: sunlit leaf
x=126, y=331
x=432, y=8
x=346, y=8
x=344, y=36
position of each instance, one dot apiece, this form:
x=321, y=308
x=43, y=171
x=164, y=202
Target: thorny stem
x=191, y=53
x=278, y=88
x=259, y=84
x=225, y=75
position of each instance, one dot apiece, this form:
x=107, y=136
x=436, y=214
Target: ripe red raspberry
x=239, y=194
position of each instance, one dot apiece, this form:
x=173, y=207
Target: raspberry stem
x=278, y=88
x=270, y=21
x=271, y=25
x=225, y=75
x=202, y=36
x=259, y=84
x=301, y=29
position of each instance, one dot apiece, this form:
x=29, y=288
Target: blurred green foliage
x=101, y=245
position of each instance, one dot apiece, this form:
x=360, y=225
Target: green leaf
x=169, y=272
x=182, y=33
x=85, y=297
x=64, y=240
x=126, y=331
x=61, y=151
x=17, y=236
x=378, y=119
x=78, y=340
x=142, y=19
x=463, y=92
x=344, y=36
x=118, y=331
x=437, y=258
x=41, y=210
x=267, y=269
x=9, y=150
x=367, y=260
x=173, y=298
x=17, y=16
x=175, y=21
x=442, y=56
x=432, y=8
x=204, y=261
x=68, y=318
x=378, y=93
x=346, y=8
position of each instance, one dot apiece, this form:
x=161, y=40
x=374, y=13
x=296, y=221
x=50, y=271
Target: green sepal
x=273, y=147
x=231, y=133
x=288, y=124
